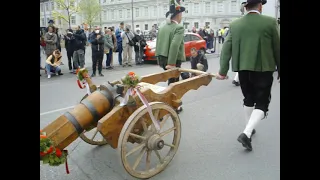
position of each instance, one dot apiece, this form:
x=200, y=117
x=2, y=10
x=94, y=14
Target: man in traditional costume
x=170, y=41
x=253, y=44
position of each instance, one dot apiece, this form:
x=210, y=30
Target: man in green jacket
x=253, y=44
x=170, y=41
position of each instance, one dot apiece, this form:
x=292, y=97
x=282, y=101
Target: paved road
x=211, y=121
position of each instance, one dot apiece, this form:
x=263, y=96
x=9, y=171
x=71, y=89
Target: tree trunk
x=69, y=18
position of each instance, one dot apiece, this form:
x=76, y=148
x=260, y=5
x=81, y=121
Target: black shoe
x=129, y=65
x=60, y=73
x=179, y=109
x=235, y=83
x=100, y=74
x=245, y=141
x=93, y=75
x=253, y=132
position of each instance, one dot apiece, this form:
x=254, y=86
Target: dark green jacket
x=253, y=44
x=170, y=43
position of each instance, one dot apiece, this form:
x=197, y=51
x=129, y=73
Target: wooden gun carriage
x=128, y=126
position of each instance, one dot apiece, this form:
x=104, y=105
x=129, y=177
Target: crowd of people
x=103, y=44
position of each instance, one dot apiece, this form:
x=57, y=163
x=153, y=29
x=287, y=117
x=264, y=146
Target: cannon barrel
x=67, y=128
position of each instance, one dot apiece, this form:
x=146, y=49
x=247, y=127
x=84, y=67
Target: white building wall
x=217, y=13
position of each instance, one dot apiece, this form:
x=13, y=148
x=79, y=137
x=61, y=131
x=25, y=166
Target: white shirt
x=254, y=11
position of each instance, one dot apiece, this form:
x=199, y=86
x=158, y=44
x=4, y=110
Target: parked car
x=190, y=40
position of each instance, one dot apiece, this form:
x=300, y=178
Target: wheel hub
x=155, y=142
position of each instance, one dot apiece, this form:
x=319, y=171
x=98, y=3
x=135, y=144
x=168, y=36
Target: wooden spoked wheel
x=153, y=150
x=92, y=136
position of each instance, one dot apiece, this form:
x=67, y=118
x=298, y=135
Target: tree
x=90, y=10
x=65, y=10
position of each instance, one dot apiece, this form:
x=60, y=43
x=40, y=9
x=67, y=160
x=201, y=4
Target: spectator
x=108, y=46
x=53, y=63
x=69, y=41
x=137, y=47
x=127, y=44
x=198, y=60
x=97, y=46
x=51, y=41
x=79, y=48
x=114, y=41
x=119, y=42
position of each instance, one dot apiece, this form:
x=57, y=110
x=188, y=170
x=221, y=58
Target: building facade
x=47, y=7
x=145, y=13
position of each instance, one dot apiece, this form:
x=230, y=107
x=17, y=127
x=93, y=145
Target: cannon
x=130, y=128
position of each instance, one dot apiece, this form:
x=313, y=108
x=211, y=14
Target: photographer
x=69, y=42
x=127, y=44
x=97, y=46
x=80, y=46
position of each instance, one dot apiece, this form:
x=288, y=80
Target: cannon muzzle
x=67, y=128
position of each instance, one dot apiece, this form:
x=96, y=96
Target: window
x=59, y=20
x=48, y=19
x=187, y=38
x=196, y=8
x=207, y=24
x=137, y=26
x=220, y=7
x=196, y=25
x=111, y=0
x=43, y=23
x=207, y=7
x=104, y=15
x=234, y=6
x=120, y=14
x=155, y=11
x=104, y=1
x=146, y=13
x=195, y=38
x=71, y=4
x=165, y=9
x=146, y=27
x=52, y=5
x=47, y=7
x=137, y=12
x=112, y=14
x=73, y=20
x=128, y=13
x=41, y=8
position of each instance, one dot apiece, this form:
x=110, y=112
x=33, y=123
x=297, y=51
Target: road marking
x=56, y=110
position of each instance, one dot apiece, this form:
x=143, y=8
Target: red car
x=190, y=40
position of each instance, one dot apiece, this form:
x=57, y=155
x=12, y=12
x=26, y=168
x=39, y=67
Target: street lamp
x=132, y=14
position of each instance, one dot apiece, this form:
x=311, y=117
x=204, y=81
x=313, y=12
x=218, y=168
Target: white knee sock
x=236, y=78
x=247, y=113
x=256, y=116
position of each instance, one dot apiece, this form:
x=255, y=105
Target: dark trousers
x=120, y=52
x=109, y=56
x=172, y=80
x=70, y=57
x=97, y=58
x=256, y=89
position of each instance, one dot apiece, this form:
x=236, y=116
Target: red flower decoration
x=131, y=73
x=58, y=152
x=178, y=8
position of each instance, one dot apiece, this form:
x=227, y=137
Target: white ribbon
x=87, y=88
x=144, y=101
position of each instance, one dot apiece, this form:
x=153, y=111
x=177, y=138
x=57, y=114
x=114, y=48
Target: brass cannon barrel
x=67, y=128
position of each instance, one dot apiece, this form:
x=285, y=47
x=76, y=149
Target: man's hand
x=98, y=36
x=220, y=77
x=170, y=67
